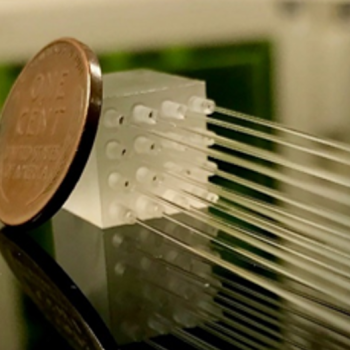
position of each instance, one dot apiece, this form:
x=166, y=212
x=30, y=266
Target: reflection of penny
x=54, y=293
x=47, y=130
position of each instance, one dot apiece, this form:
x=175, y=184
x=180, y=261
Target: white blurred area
x=311, y=57
x=105, y=25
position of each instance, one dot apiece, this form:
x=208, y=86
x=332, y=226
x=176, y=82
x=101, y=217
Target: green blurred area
x=238, y=76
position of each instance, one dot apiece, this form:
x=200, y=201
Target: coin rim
x=86, y=138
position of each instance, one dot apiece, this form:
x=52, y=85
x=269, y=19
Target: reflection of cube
x=151, y=143
x=141, y=284
x=147, y=120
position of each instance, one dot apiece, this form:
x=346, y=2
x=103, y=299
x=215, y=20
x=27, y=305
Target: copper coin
x=47, y=129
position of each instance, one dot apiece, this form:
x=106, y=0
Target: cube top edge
x=122, y=84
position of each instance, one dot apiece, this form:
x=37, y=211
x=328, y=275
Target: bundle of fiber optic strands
x=256, y=258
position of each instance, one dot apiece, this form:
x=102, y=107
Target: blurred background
x=280, y=60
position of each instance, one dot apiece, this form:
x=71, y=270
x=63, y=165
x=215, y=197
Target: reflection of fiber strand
x=238, y=226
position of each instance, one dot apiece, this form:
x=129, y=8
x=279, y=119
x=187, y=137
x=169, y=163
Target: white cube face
x=152, y=133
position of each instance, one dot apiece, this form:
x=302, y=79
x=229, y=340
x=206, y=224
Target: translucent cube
x=131, y=202
x=129, y=152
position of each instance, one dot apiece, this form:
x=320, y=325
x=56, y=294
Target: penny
x=47, y=129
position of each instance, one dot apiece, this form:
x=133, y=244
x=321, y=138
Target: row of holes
x=121, y=118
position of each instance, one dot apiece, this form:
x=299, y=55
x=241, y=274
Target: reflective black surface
x=55, y=294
